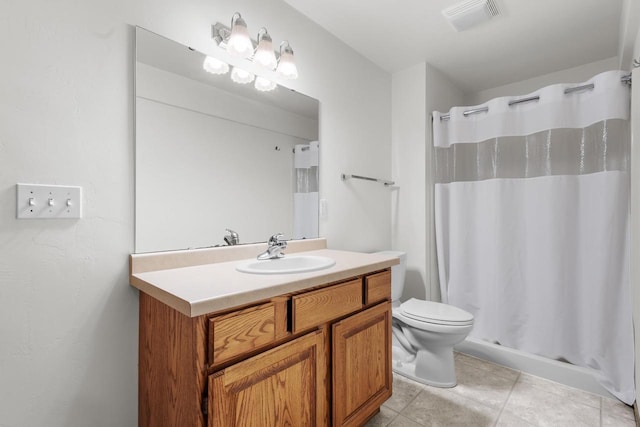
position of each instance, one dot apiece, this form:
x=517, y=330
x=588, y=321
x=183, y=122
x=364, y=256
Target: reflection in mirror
x=213, y=155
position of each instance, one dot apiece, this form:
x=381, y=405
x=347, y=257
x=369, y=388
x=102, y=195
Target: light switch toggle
x=38, y=201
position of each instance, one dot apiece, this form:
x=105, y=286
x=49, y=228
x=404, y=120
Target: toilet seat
x=435, y=313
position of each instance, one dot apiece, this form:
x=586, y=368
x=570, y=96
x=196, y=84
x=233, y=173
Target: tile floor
x=492, y=395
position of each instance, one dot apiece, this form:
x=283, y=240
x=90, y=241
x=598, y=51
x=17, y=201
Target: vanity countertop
x=205, y=288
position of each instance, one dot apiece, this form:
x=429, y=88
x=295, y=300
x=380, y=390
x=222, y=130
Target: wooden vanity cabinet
x=362, y=377
x=314, y=358
x=284, y=386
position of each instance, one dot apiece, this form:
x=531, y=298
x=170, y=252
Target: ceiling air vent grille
x=470, y=13
x=493, y=8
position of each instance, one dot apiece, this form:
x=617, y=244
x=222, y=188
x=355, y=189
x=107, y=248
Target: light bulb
x=264, y=53
x=215, y=66
x=264, y=85
x=241, y=76
x=287, y=65
x=239, y=43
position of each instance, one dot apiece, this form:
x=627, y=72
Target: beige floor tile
x=477, y=382
x=617, y=409
x=540, y=406
x=613, y=421
x=561, y=390
x=382, y=418
x=488, y=367
x=401, y=421
x=404, y=390
x=483, y=388
x=449, y=409
x=507, y=419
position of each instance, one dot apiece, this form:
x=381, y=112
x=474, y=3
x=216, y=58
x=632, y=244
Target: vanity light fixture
x=239, y=43
x=236, y=42
x=241, y=76
x=215, y=66
x=264, y=85
x=265, y=56
x=287, y=66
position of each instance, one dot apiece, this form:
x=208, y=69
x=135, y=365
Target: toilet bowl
x=424, y=333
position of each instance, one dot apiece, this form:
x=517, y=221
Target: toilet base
x=408, y=370
x=426, y=368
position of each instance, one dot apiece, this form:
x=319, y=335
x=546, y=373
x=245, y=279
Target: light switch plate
x=35, y=201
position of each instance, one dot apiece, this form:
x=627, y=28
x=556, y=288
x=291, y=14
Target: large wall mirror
x=213, y=155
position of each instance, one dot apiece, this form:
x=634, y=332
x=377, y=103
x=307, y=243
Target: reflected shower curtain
x=305, y=194
x=532, y=224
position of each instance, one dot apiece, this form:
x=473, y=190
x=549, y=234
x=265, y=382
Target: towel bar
x=345, y=176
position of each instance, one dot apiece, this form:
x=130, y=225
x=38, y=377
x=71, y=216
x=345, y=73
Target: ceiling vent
x=470, y=13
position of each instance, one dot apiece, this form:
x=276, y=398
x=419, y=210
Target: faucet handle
x=277, y=240
x=232, y=238
x=276, y=244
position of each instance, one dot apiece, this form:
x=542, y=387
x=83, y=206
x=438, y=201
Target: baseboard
x=560, y=372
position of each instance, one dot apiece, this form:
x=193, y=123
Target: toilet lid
x=435, y=312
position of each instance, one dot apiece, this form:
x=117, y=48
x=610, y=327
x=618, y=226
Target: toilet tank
x=397, y=273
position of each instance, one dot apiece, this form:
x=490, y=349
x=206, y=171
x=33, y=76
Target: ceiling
x=529, y=38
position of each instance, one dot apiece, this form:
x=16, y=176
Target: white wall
x=417, y=92
x=68, y=318
x=629, y=24
x=409, y=146
x=635, y=208
x=635, y=221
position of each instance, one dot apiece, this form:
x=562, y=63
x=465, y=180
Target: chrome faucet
x=232, y=238
x=276, y=245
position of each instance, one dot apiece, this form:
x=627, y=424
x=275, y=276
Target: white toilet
x=424, y=333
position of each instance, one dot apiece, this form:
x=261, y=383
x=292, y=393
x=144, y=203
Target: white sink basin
x=286, y=265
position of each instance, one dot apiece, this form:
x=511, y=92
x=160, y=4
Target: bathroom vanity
x=218, y=347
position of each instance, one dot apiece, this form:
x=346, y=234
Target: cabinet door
x=284, y=386
x=362, y=378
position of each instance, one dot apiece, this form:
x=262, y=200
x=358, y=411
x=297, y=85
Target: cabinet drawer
x=377, y=287
x=241, y=331
x=317, y=307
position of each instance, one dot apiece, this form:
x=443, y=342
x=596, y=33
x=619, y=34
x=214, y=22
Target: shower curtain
x=532, y=223
x=305, y=194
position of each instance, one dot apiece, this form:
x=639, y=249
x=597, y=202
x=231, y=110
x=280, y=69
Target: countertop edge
x=161, y=295
x=199, y=308
x=193, y=307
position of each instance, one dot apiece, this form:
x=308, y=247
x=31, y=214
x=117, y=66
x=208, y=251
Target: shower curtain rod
x=624, y=79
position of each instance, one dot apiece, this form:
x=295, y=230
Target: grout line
x=408, y=404
x=479, y=400
x=601, y=405
x=508, y=397
x=392, y=419
x=472, y=362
